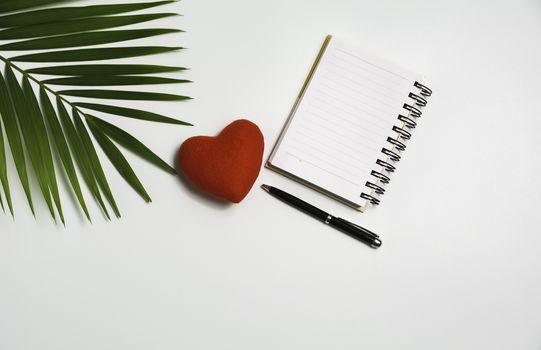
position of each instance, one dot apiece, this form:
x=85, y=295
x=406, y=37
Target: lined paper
x=343, y=121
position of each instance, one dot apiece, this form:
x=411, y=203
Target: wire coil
x=395, y=145
x=424, y=90
x=376, y=188
x=410, y=123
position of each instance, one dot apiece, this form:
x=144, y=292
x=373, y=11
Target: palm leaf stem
x=41, y=84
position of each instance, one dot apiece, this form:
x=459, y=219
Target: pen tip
x=376, y=243
x=266, y=187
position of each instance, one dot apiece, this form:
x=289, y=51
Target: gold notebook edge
x=268, y=163
x=316, y=188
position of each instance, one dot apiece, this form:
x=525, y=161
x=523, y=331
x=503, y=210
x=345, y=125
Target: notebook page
x=343, y=121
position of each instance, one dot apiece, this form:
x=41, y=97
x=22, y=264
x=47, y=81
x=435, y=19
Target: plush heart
x=225, y=166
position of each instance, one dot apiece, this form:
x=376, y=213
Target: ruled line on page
x=344, y=112
x=354, y=93
x=363, y=71
x=353, y=98
x=325, y=170
x=347, y=160
x=359, y=92
x=371, y=64
x=325, y=134
x=374, y=82
x=333, y=74
x=360, y=157
x=322, y=161
x=359, y=133
x=376, y=113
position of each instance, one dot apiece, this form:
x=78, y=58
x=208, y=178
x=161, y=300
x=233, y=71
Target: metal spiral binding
x=397, y=144
x=424, y=90
x=392, y=155
x=383, y=178
x=404, y=134
x=387, y=166
x=376, y=188
x=410, y=123
x=419, y=101
x=372, y=199
x=414, y=111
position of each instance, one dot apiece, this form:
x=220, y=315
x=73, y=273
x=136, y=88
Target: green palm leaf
x=76, y=26
x=104, y=69
x=3, y=166
x=2, y=203
x=15, y=5
x=62, y=148
x=26, y=117
x=54, y=15
x=113, y=80
x=84, y=39
x=4, y=173
x=124, y=95
x=14, y=138
x=130, y=142
x=130, y=113
x=108, y=53
x=42, y=133
x=82, y=158
x=119, y=162
x=97, y=169
x=42, y=139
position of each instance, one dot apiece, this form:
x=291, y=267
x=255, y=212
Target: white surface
x=460, y=267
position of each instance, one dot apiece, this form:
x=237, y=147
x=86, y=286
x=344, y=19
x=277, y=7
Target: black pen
x=345, y=226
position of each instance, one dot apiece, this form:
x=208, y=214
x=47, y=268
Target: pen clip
x=357, y=226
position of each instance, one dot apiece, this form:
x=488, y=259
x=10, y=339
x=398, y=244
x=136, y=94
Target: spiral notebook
x=349, y=124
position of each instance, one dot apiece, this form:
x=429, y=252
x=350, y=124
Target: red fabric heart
x=225, y=166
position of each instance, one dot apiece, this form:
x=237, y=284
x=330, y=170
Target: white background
x=460, y=267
